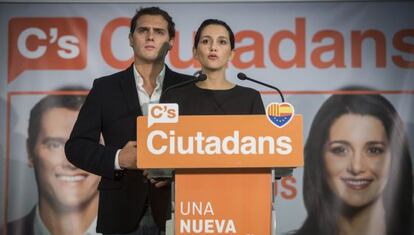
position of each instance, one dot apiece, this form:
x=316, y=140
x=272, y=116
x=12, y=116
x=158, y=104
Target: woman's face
x=214, y=48
x=357, y=158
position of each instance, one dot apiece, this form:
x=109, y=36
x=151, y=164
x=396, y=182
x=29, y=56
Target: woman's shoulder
x=185, y=89
x=246, y=90
x=181, y=92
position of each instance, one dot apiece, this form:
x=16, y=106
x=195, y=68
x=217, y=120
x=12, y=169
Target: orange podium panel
x=223, y=179
x=219, y=141
x=223, y=201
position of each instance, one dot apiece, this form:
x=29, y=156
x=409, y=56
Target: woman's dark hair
x=322, y=205
x=215, y=22
x=153, y=11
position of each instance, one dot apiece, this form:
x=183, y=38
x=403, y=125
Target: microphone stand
x=277, y=173
x=243, y=76
x=199, y=78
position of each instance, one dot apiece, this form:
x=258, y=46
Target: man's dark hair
x=68, y=101
x=153, y=11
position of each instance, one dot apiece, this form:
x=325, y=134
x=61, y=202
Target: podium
x=223, y=168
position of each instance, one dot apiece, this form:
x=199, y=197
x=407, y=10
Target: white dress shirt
x=40, y=228
x=144, y=98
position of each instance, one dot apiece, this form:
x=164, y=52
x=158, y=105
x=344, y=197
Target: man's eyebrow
x=142, y=27
x=160, y=30
x=147, y=28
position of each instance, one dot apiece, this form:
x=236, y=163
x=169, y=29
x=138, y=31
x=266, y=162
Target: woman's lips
x=212, y=57
x=357, y=183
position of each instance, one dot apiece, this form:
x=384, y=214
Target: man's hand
x=157, y=182
x=128, y=156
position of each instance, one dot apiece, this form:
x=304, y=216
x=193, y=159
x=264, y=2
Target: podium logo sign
x=280, y=114
x=162, y=113
x=166, y=140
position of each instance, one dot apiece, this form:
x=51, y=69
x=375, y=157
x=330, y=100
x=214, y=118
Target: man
x=129, y=201
x=68, y=196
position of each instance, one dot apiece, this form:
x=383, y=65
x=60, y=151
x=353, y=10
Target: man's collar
x=158, y=81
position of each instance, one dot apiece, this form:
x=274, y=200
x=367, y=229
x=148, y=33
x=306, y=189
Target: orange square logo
x=46, y=43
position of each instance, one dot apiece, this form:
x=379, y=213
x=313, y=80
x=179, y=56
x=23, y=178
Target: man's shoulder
x=184, y=76
x=176, y=75
x=111, y=78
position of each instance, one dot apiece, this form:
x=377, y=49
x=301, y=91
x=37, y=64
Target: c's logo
x=280, y=114
x=162, y=113
x=46, y=43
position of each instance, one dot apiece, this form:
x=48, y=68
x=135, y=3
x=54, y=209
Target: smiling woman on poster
x=358, y=172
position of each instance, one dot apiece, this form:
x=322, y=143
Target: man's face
x=150, y=40
x=60, y=183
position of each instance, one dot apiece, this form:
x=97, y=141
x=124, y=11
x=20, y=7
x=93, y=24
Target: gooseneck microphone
x=279, y=172
x=243, y=76
x=200, y=77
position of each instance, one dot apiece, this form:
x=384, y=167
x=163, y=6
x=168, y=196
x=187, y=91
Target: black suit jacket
x=111, y=108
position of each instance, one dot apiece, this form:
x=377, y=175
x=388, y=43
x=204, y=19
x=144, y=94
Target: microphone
x=279, y=172
x=243, y=76
x=199, y=77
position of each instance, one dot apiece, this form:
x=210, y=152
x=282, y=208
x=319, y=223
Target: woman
x=358, y=173
x=213, y=48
